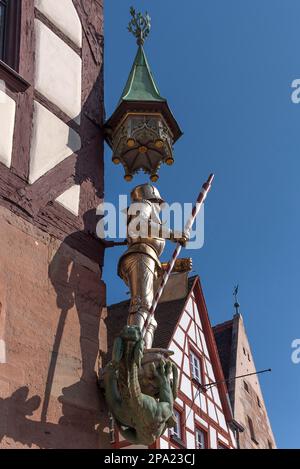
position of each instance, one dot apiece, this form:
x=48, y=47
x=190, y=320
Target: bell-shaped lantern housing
x=142, y=130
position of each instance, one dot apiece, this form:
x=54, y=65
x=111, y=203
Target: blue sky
x=226, y=68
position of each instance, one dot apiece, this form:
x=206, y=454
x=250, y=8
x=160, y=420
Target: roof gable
x=208, y=341
x=223, y=338
x=168, y=316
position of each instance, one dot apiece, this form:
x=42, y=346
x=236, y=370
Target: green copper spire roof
x=140, y=85
x=140, y=94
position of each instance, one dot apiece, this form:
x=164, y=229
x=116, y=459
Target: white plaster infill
x=2, y=351
x=70, y=199
x=63, y=14
x=7, y=125
x=58, y=71
x=52, y=142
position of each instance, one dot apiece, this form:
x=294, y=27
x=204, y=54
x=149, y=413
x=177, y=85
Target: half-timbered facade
x=54, y=330
x=202, y=409
x=51, y=182
x=51, y=111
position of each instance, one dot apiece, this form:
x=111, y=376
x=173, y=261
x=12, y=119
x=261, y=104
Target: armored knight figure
x=140, y=266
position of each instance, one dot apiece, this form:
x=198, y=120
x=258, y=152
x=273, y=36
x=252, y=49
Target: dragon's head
x=131, y=334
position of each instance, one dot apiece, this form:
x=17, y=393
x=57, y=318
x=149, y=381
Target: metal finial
x=235, y=294
x=139, y=25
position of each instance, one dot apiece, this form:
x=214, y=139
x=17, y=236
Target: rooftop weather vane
x=142, y=130
x=235, y=294
x=139, y=25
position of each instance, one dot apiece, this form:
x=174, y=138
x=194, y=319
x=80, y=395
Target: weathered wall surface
x=248, y=400
x=51, y=114
x=51, y=181
x=51, y=328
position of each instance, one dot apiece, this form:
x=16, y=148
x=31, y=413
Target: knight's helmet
x=146, y=192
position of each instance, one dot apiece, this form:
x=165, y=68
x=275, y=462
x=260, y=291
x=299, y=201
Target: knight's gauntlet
x=181, y=265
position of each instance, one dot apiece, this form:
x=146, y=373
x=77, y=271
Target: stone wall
x=51, y=329
x=248, y=397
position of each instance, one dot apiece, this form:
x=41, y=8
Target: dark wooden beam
x=36, y=202
x=24, y=111
x=40, y=16
x=12, y=34
x=56, y=110
x=12, y=79
x=48, y=187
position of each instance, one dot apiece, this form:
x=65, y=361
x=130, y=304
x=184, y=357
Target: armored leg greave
x=138, y=270
x=138, y=318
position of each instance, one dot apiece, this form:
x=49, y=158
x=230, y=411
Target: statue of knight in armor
x=140, y=266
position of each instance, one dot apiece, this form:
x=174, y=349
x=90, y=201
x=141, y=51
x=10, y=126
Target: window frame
x=198, y=357
x=205, y=435
x=246, y=386
x=258, y=402
x=180, y=441
x=3, y=4
x=270, y=445
x=221, y=445
x=178, y=418
x=251, y=429
x=12, y=34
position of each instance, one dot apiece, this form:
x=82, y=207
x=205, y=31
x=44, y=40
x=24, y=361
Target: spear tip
x=211, y=178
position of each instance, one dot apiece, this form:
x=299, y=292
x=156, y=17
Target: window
x=196, y=367
x=221, y=446
x=3, y=9
x=258, y=402
x=244, y=350
x=176, y=431
x=251, y=428
x=201, y=439
x=246, y=386
x=270, y=446
x=10, y=15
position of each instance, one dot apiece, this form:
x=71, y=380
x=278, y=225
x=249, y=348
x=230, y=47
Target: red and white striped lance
x=201, y=197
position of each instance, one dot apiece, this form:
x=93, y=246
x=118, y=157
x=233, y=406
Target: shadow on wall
x=75, y=285
x=83, y=414
x=78, y=407
x=16, y=425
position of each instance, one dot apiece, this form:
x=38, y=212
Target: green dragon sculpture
x=141, y=418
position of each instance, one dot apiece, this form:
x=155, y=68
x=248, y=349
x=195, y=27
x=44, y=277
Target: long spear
x=201, y=197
